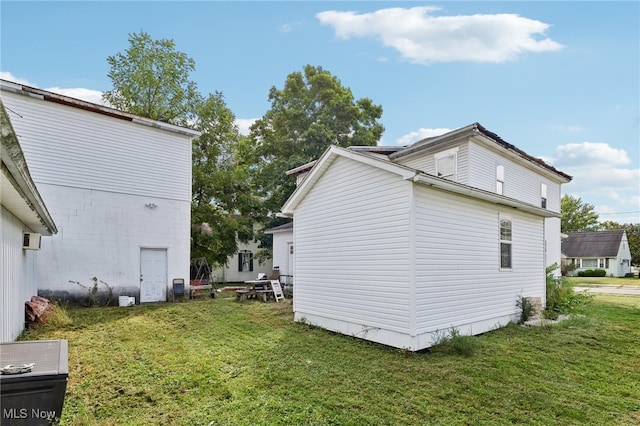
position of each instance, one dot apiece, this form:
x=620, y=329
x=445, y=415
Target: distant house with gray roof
x=608, y=250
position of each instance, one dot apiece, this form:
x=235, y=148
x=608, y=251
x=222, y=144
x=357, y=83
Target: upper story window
x=543, y=195
x=447, y=164
x=500, y=179
x=505, y=243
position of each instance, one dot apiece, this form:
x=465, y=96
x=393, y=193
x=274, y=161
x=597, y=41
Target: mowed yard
x=220, y=362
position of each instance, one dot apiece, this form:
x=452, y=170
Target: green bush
x=561, y=299
x=592, y=273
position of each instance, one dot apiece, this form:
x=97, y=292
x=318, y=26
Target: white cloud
x=422, y=38
x=286, y=28
x=572, y=128
x=244, y=124
x=89, y=95
x=590, y=153
x=420, y=134
x=5, y=75
x=601, y=178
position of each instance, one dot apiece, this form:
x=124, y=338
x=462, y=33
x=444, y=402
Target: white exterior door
x=153, y=275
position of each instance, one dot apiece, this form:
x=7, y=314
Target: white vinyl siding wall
x=351, y=235
x=520, y=183
x=425, y=161
x=68, y=146
x=458, y=276
x=17, y=283
x=281, y=251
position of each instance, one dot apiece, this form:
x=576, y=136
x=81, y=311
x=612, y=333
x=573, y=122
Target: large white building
x=396, y=245
x=118, y=187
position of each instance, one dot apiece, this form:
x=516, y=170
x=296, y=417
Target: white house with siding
x=395, y=245
x=283, y=254
x=608, y=250
x=243, y=265
x=23, y=214
x=118, y=187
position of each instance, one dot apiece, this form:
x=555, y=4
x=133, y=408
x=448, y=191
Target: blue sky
x=560, y=80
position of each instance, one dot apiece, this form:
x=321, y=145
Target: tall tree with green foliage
x=151, y=79
x=222, y=201
x=311, y=112
x=577, y=215
x=633, y=236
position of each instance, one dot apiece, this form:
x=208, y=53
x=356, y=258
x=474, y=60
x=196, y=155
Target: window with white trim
x=500, y=179
x=447, y=164
x=543, y=195
x=505, y=243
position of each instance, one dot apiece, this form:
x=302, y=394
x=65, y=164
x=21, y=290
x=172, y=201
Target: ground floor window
x=245, y=261
x=505, y=243
x=589, y=263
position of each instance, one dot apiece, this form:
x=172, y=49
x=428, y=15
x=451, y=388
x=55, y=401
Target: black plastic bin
x=36, y=397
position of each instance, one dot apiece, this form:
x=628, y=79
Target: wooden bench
x=195, y=290
x=241, y=295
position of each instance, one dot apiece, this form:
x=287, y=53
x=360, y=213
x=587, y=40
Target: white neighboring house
x=395, y=245
x=117, y=185
x=243, y=265
x=283, y=250
x=608, y=250
x=24, y=218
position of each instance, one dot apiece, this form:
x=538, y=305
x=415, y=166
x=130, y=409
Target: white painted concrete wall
x=17, y=283
x=96, y=174
x=100, y=234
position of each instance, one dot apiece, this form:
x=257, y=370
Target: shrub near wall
x=592, y=273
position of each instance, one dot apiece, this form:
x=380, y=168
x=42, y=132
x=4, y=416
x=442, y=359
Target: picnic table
x=263, y=289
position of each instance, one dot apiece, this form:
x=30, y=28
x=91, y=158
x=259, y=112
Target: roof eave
x=91, y=107
x=468, y=191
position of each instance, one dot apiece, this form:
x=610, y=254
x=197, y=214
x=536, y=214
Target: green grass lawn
x=219, y=362
x=591, y=281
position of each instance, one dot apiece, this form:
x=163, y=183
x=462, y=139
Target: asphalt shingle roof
x=592, y=244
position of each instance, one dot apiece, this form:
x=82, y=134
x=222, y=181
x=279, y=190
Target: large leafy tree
x=311, y=112
x=222, y=202
x=577, y=215
x=151, y=79
x=633, y=236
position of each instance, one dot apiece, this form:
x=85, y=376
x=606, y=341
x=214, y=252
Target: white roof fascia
x=20, y=186
x=323, y=163
x=468, y=191
x=446, y=137
x=497, y=148
x=302, y=168
x=406, y=173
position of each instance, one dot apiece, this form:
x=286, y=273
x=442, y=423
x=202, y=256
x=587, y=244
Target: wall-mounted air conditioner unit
x=31, y=241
